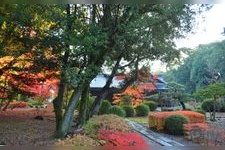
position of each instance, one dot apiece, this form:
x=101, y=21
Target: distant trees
x=203, y=65
x=213, y=92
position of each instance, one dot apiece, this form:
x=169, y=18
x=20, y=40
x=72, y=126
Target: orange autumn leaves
x=157, y=119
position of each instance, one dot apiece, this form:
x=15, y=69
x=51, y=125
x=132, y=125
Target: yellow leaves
x=4, y=25
x=23, y=61
x=5, y=60
x=46, y=25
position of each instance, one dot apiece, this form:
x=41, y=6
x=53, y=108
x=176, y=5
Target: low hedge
x=157, y=119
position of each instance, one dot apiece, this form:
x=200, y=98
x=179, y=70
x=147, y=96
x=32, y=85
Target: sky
x=207, y=31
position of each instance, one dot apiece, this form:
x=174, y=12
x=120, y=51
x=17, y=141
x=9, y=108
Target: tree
x=197, y=70
x=82, y=39
x=27, y=59
x=213, y=91
x=153, y=45
x=177, y=92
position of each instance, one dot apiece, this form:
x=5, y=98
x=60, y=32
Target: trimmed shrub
x=117, y=110
x=207, y=105
x=129, y=111
x=104, y=108
x=142, y=110
x=109, y=122
x=78, y=140
x=152, y=105
x=91, y=129
x=174, y=124
x=157, y=119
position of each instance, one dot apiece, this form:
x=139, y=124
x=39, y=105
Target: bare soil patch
x=19, y=128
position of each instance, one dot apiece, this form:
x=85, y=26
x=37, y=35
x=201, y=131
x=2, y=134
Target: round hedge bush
x=207, y=105
x=152, y=105
x=142, y=110
x=174, y=124
x=117, y=110
x=104, y=108
x=129, y=111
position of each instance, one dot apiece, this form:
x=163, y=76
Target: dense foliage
x=129, y=111
x=75, y=42
x=109, y=122
x=104, y=108
x=174, y=124
x=157, y=119
x=200, y=68
x=117, y=110
x=142, y=110
x=115, y=138
x=151, y=104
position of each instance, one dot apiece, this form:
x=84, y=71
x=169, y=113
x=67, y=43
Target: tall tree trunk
x=58, y=101
x=58, y=104
x=65, y=125
x=182, y=104
x=105, y=90
x=97, y=103
x=214, y=108
x=83, y=106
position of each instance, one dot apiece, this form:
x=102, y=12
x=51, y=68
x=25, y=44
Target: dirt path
x=34, y=132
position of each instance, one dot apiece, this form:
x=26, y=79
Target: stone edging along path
x=153, y=136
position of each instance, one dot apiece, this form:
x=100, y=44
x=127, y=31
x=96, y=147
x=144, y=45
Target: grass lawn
x=141, y=120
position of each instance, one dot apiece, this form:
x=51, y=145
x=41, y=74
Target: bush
x=104, y=108
x=91, y=128
x=129, y=111
x=109, y=122
x=78, y=140
x=152, y=105
x=142, y=110
x=207, y=105
x=115, y=138
x=174, y=124
x=117, y=110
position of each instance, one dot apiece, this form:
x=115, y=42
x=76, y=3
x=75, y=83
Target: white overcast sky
x=207, y=31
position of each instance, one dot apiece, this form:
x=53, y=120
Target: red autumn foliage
x=115, y=138
x=193, y=126
x=146, y=83
x=205, y=133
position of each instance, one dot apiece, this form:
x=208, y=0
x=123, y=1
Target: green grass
x=141, y=120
